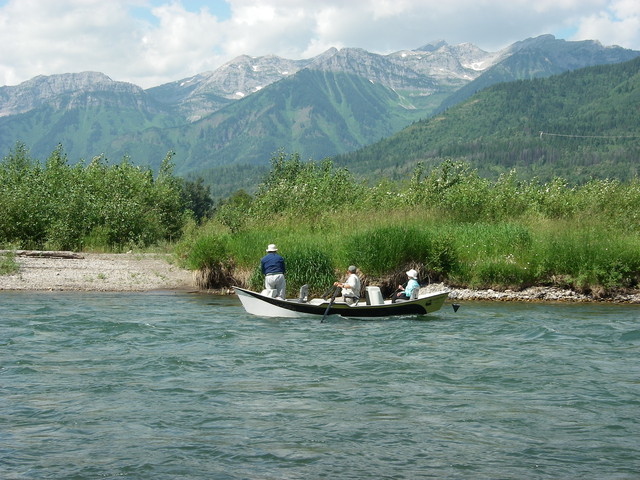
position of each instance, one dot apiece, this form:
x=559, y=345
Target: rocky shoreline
x=135, y=272
x=532, y=294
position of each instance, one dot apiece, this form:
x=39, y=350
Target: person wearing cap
x=350, y=287
x=405, y=292
x=273, y=269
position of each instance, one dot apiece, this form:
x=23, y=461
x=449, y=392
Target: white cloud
x=174, y=39
x=619, y=24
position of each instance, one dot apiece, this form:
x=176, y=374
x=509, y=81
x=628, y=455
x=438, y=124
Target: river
x=169, y=385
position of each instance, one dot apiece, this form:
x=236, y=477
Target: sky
x=152, y=42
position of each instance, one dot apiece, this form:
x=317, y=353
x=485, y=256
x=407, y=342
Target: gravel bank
x=97, y=272
x=533, y=294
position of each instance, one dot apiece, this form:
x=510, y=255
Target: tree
x=197, y=198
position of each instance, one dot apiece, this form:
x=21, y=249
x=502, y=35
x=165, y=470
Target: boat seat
x=414, y=296
x=304, y=293
x=374, y=296
x=351, y=300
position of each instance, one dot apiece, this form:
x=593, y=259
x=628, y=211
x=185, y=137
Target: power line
x=587, y=136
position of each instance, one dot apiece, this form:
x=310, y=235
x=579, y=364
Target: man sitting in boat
x=404, y=293
x=272, y=266
x=350, y=287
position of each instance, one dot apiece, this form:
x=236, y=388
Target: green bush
x=206, y=251
x=382, y=250
x=58, y=206
x=501, y=273
x=8, y=264
x=590, y=257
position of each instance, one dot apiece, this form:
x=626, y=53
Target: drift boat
x=265, y=305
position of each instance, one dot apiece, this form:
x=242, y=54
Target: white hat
x=412, y=274
x=272, y=248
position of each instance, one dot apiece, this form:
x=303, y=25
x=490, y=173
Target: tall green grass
x=305, y=266
x=584, y=257
x=515, y=254
x=448, y=223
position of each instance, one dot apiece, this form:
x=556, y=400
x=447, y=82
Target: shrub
x=308, y=265
x=500, y=273
x=59, y=206
x=8, y=264
x=210, y=258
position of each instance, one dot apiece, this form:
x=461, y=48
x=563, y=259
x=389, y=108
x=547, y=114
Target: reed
x=588, y=257
x=305, y=266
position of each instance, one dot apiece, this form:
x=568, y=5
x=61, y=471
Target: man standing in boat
x=273, y=270
x=350, y=287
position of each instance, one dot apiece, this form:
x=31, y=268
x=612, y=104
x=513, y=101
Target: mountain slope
x=205, y=93
x=540, y=57
x=589, y=129
x=88, y=113
x=312, y=112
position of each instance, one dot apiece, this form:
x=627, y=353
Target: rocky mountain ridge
x=63, y=91
x=424, y=71
x=435, y=67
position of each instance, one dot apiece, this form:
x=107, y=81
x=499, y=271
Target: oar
x=327, y=293
x=333, y=297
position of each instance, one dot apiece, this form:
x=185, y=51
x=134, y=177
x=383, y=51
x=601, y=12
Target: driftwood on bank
x=43, y=254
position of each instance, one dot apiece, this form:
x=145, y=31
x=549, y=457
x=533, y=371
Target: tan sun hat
x=272, y=248
x=412, y=274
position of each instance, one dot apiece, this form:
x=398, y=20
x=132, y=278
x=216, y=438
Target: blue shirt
x=272, y=263
x=411, y=286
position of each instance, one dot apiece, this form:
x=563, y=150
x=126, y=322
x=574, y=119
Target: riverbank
x=68, y=271
x=532, y=294
x=131, y=272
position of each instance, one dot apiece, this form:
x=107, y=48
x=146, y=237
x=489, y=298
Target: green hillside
x=541, y=57
x=314, y=113
x=589, y=119
x=100, y=129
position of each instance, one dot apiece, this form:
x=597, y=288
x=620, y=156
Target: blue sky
x=150, y=42
x=219, y=8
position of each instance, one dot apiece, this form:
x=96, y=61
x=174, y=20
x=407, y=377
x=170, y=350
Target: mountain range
x=225, y=125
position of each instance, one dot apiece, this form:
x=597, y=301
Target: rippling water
x=171, y=385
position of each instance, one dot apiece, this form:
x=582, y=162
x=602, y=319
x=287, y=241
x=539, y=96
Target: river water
x=168, y=385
